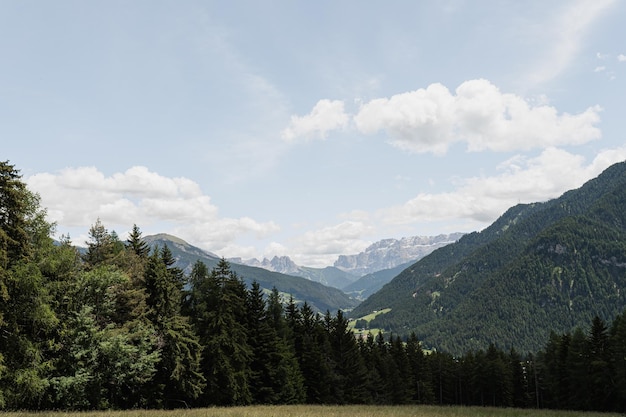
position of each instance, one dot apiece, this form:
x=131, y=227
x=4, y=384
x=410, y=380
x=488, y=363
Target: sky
x=307, y=129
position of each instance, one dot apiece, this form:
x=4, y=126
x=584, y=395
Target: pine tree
x=600, y=370
x=375, y=385
x=15, y=200
x=218, y=310
x=178, y=378
x=618, y=360
x=100, y=246
x=423, y=392
x=136, y=243
x=312, y=348
x=27, y=320
x=402, y=381
x=575, y=393
x=275, y=375
x=349, y=370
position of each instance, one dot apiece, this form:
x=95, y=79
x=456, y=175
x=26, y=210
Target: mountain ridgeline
x=318, y=296
x=540, y=267
x=364, y=273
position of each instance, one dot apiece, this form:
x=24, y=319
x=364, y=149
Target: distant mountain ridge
x=329, y=275
x=390, y=253
x=384, y=255
x=319, y=296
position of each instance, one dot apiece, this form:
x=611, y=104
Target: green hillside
x=539, y=267
x=318, y=296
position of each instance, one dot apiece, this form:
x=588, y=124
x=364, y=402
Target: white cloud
x=327, y=115
x=621, y=58
x=322, y=246
x=432, y=119
x=76, y=197
x=565, y=36
x=599, y=68
x=425, y=114
x=523, y=180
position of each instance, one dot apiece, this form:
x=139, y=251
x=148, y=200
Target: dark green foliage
x=347, y=364
x=15, y=208
x=136, y=243
x=178, y=377
x=539, y=267
x=312, y=348
x=275, y=374
x=217, y=307
x=318, y=296
x=123, y=328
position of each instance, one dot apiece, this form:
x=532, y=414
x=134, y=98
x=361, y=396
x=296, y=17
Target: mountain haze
x=370, y=283
x=331, y=276
x=539, y=267
x=377, y=264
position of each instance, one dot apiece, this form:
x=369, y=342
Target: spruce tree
x=136, y=243
x=350, y=373
x=312, y=349
x=178, y=378
x=27, y=321
x=423, y=391
x=100, y=246
x=600, y=369
x=217, y=305
x=402, y=379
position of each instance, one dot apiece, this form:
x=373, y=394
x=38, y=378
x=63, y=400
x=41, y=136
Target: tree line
x=119, y=326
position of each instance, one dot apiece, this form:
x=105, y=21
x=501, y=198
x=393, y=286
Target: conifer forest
x=119, y=326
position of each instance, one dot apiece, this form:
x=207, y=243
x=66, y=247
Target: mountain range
x=365, y=272
x=389, y=253
x=320, y=287
x=540, y=267
x=317, y=295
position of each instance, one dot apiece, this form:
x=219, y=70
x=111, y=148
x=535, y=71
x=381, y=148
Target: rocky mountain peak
x=389, y=253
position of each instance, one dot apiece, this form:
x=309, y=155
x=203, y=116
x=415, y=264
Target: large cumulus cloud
x=477, y=113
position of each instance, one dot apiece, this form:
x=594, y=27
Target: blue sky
x=307, y=129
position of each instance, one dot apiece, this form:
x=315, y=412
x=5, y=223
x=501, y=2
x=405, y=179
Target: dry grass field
x=321, y=411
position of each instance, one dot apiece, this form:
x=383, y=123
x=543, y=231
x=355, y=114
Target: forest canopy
x=120, y=326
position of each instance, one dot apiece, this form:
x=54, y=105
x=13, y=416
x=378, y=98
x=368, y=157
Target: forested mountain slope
x=370, y=283
x=319, y=296
x=539, y=267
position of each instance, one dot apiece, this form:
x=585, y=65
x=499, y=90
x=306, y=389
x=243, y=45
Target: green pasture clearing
x=322, y=411
x=367, y=318
x=373, y=314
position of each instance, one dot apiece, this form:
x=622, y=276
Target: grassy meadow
x=321, y=411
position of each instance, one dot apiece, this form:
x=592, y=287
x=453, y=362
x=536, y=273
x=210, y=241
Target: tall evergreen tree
x=14, y=212
x=218, y=309
x=136, y=243
x=26, y=317
x=178, y=378
x=600, y=370
x=275, y=375
x=312, y=348
x=618, y=360
x=423, y=391
x=100, y=246
x=401, y=378
x=575, y=392
x=349, y=370
x=375, y=383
